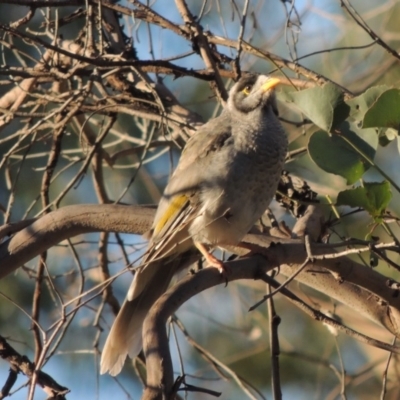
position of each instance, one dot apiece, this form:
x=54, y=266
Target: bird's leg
x=211, y=259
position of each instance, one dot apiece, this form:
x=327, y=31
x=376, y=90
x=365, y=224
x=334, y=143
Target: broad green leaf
x=373, y=197
x=324, y=105
x=337, y=154
x=285, y=95
x=385, y=112
x=361, y=104
x=365, y=140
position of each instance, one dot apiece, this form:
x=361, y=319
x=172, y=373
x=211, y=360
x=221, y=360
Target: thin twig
x=360, y=22
x=274, y=322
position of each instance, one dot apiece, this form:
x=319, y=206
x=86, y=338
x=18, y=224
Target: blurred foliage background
x=318, y=40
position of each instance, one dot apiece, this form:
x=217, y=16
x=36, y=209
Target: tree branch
x=49, y=230
x=22, y=364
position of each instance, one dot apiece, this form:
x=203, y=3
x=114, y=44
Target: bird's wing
x=192, y=169
x=204, y=141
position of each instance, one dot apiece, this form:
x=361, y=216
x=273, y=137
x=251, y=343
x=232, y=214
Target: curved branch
x=160, y=382
x=155, y=339
x=49, y=230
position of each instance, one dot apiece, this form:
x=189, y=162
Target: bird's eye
x=246, y=90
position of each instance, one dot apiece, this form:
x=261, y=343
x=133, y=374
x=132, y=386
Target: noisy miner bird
x=226, y=177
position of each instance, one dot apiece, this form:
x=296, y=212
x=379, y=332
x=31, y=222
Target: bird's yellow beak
x=271, y=83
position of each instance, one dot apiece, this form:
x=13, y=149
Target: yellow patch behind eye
x=175, y=205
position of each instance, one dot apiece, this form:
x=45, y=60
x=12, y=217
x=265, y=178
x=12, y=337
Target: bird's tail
x=125, y=337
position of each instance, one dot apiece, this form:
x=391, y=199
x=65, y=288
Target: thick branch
x=349, y=282
x=51, y=229
x=155, y=340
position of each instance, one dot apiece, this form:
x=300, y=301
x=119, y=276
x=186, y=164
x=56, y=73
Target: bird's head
x=252, y=92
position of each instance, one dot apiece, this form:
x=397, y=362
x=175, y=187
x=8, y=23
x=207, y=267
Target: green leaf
x=324, y=105
x=337, y=154
x=373, y=197
x=285, y=95
x=361, y=104
x=365, y=140
x=385, y=112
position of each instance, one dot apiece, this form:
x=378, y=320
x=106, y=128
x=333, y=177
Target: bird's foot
x=213, y=261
